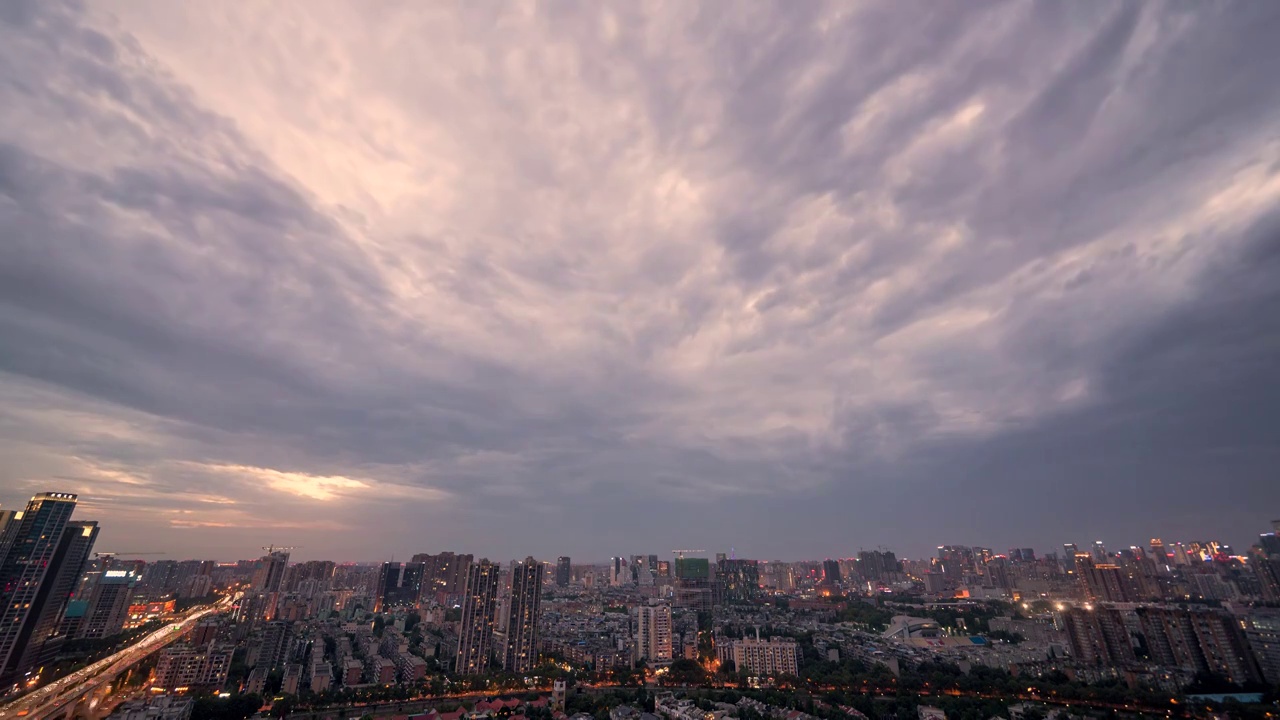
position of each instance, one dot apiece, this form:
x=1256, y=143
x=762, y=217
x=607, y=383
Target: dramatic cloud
x=597, y=278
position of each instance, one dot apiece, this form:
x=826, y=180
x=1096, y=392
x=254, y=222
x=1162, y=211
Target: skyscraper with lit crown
x=42, y=642
x=27, y=563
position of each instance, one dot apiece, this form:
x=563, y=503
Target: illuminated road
x=53, y=697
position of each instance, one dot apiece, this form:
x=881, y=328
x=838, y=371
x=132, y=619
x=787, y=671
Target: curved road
x=51, y=698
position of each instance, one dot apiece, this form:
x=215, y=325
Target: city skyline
x=297, y=554
x=799, y=279
x=319, y=634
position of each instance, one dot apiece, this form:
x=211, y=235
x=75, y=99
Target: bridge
x=59, y=699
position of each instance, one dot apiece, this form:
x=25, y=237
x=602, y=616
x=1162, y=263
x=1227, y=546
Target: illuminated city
x=1133, y=628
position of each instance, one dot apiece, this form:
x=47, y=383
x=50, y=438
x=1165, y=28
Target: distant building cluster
x=1160, y=615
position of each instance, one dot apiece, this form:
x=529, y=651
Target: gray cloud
x=797, y=278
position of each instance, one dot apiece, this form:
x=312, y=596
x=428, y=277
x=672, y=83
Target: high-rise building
x=9, y=522
x=1158, y=552
x=997, y=573
x=398, y=586
x=1069, y=552
x=878, y=564
x=1105, y=582
x=618, y=573
x=411, y=576
x=956, y=561
x=1262, y=628
x=108, y=605
x=32, y=544
x=1098, y=637
x=270, y=572
x=1267, y=571
x=564, y=571
x=777, y=575
x=272, y=649
x=691, y=568
x=43, y=641
x=831, y=571
x=1100, y=553
x=443, y=574
x=693, y=584
x=653, y=633
x=1198, y=640
x=1270, y=544
x=737, y=582
x=479, y=609
x=521, y=653
x=388, y=580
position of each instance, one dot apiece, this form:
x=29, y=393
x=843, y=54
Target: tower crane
x=113, y=553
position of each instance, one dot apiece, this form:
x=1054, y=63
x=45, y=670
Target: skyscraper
x=1106, y=582
x=270, y=572
x=830, y=571
x=1100, y=555
x=108, y=604
x=42, y=640
x=877, y=564
x=411, y=576
x=693, y=583
x=25, y=567
x=388, y=583
x=444, y=574
x=1270, y=544
x=521, y=653
x=9, y=522
x=737, y=582
x=1158, y=552
x=479, y=610
x=1069, y=552
x=564, y=571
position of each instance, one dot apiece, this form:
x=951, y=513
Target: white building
x=776, y=656
x=653, y=634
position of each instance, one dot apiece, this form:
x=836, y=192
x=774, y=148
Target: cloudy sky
x=591, y=278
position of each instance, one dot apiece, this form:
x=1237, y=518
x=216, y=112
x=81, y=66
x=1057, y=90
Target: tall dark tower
x=831, y=571
x=479, y=612
x=564, y=571
x=522, y=621
x=69, y=561
x=388, y=585
x=25, y=567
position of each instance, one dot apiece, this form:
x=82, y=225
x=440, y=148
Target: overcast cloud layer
x=599, y=278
